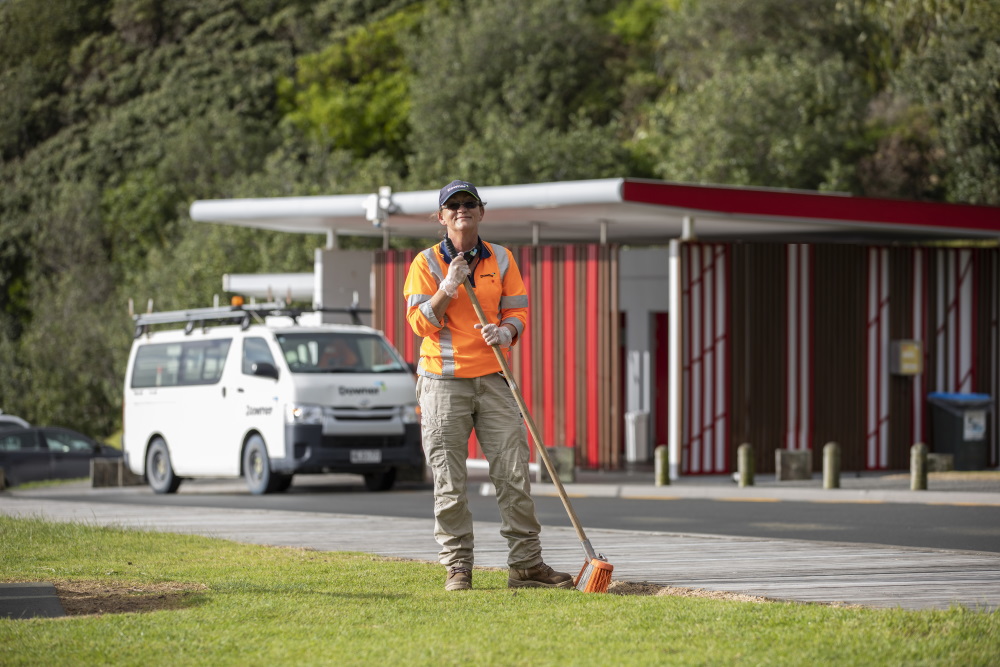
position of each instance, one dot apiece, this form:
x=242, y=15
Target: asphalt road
x=974, y=528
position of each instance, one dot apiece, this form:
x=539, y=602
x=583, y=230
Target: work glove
x=494, y=335
x=458, y=271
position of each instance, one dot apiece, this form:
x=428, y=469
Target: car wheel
x=380, y=481
x=159, y=473
x=257, y=468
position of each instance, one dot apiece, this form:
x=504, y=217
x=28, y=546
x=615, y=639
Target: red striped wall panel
x=568, y=363
x=706, y=355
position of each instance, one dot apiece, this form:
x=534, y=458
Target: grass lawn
x=188, y=600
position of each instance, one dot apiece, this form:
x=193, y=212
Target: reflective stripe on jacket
x=454, y=347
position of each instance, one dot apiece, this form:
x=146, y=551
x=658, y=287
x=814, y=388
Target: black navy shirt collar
x=482, y=250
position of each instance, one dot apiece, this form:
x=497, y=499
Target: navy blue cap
x=457, y=186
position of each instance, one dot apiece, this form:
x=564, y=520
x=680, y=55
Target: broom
x=595, y=575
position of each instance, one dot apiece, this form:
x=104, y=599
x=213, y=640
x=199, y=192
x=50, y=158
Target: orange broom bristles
x=594, y=577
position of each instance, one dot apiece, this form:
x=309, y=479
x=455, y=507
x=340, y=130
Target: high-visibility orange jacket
x=454, y=347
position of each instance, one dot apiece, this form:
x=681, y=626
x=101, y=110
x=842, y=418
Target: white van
x=267, y=397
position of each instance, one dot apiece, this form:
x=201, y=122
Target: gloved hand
x=496, y=335
x=458, y=270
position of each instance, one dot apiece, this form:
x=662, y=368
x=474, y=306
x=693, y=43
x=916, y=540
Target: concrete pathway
x=796, y=570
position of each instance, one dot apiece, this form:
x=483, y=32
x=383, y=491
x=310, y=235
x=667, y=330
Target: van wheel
x=159, y=472
x=380, y=481
x=257, y=468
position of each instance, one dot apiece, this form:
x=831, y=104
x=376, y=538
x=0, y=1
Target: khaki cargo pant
x=449, y=411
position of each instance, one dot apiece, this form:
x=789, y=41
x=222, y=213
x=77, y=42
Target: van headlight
x=409, y=414
x=298, y=413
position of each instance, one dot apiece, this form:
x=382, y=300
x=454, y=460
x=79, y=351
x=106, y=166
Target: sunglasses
x=455, y=205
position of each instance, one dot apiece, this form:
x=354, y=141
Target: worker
x=337, y=353
x=460, y=389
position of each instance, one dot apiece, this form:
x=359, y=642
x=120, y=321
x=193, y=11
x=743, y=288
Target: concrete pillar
x=661, y=463
x=744, y=462
x=831, y=466
x=918, y=467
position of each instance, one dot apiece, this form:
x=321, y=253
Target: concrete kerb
x=819, y=495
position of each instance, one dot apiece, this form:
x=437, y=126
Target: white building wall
x=642, y=291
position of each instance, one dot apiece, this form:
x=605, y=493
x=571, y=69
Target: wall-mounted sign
x=906, y=357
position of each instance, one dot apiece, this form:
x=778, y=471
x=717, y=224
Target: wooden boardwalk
x=796, y=570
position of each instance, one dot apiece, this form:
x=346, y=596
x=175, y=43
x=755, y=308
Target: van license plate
x=366, y=456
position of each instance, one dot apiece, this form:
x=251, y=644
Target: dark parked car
x=50, y=452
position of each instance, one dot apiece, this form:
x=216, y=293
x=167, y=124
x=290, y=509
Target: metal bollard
x=831, y=466
x=744, y=461
x=918, y=467
x=661, y=465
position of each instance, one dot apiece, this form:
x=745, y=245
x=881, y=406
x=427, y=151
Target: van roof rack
x=245, y=313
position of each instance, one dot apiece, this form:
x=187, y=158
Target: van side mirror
x=264, y=369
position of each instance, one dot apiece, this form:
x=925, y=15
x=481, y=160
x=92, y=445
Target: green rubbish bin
x=958, y=427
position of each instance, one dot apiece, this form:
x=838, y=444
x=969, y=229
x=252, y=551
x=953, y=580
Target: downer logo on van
x=256, y=412
x=362, y=391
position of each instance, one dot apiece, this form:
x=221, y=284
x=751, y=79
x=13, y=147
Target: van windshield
x=339, y=352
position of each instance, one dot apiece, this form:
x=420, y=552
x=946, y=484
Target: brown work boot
x=539, y=576
x=459, y=579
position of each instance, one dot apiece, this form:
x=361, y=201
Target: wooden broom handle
x=539, y=445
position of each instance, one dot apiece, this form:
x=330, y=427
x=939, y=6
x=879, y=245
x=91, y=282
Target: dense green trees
x=116, y=114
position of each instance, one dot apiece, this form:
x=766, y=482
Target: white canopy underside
x=576, y=212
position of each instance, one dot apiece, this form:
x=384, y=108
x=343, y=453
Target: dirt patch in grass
x=81, y=598
x=636, y=588
x=630, y=588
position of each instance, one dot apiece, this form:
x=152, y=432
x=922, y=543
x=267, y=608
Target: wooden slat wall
x=705, y=297
x=839, y=349
x=877, y=300
x=758, y=331
x=919, y=331
x=568, y=364
x=953, y=320
x=388, y=307
x=988, y=261
x=799, y=398
x=901, y=327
